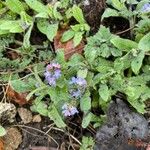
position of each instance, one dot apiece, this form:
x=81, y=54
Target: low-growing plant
x=128, y=9
x=85, y=83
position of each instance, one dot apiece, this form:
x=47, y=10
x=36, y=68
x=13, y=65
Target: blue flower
x=81, y=82
x=57, y=73
x=76, y=94
x=73, y=80
x=52, y=73
x=69, y=110
x=51, y=81
x=77, y=87
x=78, y=81
x=146, y=8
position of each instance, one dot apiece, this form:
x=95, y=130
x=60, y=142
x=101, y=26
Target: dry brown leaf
x=19, y=98
x=12, y=139
x=12, y=55
x=1, y=144
x=68, y=46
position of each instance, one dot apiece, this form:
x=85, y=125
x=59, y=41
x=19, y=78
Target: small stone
x=7, y=112
x=12, y=139
x=25, y=115
x=36, y=118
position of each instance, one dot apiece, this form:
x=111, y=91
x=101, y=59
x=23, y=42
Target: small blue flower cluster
x=69, y=110
x=78, y=86
x=146, y=8
x=53, y=72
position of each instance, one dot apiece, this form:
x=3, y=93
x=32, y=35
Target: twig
x=121, y=32
x=54, y=128
x=23, y=126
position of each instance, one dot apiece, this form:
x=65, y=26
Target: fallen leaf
x=12, y=139
x=1, y=144
x=12, y=55
x=19, y=98
x=68, y=46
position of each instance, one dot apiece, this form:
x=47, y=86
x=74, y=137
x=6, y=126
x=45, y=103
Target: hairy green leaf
x=15, y=6
x=85, y=103
x=123, y=44
x=26, y=40
x=36, y=5
x=67, y=35
x=77, y=38
x=109, y=13
x=137, y=62
x=104, y=92
x=86, y=120
x=78, y=14
x=55, y=116
x=144, y=43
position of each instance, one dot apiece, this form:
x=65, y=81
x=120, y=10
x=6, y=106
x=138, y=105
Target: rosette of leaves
x=119, y=73
x=99, y=45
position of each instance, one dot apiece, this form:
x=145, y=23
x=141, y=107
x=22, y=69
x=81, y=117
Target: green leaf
x=123, y=44
x=144, y=43
x=139, y=106
x=109, y=13
x=26, y=39
x=4, y=32
x=134, y=94
x=2, y=131
x=61, y=57
x=40, y=107
x=20, y=86
x=15, y=5
x=67, y=36
x=35, y=91
x=118, y=5
x=42, y=15
x=90, y=55
x=36, y=5
x=137, y=62
x=87, y=143
x=55, y=116
x=104, y=92
x=57, y=15
x=77, y=38
x=42, y=25
x=52, y=31
x=7, y=25
x=82, y=73
x=76, y=27
x=85, y=103
x=86, y=120
x=78, y=14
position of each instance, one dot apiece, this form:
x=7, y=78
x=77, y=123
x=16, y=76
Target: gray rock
x=122, y=124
